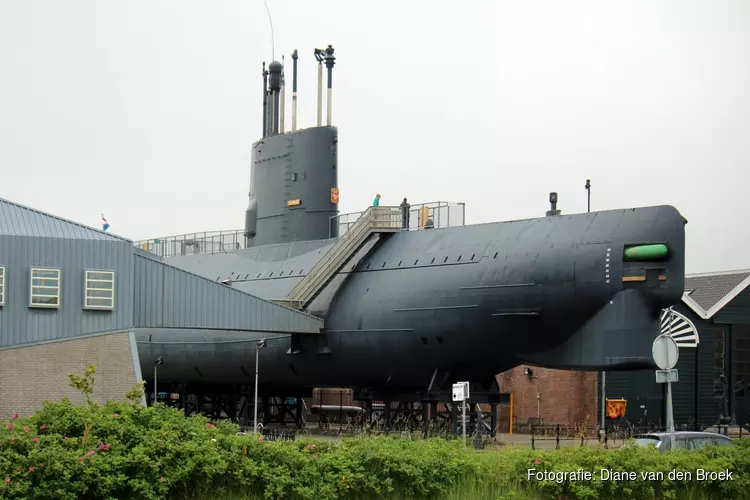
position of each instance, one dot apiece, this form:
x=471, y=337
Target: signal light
x=646, y=252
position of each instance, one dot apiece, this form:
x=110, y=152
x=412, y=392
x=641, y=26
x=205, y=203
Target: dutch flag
x=105, y=224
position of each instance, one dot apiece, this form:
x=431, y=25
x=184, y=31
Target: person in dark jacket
x=405, y=214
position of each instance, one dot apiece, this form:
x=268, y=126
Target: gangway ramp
x=374, y=222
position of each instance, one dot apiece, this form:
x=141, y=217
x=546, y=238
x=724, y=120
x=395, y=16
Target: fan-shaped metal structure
x=679, y=327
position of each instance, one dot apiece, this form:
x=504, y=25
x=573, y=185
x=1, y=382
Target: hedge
x=124, y=450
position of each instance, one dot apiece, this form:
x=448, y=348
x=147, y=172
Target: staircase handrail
x=373, y=218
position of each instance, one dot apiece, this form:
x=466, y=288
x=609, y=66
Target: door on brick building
x=740, y=357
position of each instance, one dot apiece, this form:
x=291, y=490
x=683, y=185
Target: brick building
x=563, y=397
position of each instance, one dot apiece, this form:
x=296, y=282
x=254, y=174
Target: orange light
x=293, y=203
x=662, y=277
x=633, y=278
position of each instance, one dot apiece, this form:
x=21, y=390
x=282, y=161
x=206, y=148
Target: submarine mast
x=293, y=191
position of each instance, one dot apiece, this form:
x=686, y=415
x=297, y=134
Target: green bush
x=124, y=450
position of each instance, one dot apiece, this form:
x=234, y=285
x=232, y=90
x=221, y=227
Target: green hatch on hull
x=647, y=252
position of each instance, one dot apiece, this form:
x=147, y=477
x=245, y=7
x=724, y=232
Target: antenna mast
x=273, y=45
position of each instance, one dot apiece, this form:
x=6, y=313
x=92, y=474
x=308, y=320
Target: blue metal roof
x=19, y=220
x=172, y=298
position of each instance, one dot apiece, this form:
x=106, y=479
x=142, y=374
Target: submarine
x=413, y=297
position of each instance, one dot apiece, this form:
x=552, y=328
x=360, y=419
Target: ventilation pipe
x=294, y=90
x=319, y=56
x=553, y=205
x=330, y=61
x=274, y=82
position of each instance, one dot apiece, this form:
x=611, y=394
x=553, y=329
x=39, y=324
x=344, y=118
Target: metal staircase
x=373, y=222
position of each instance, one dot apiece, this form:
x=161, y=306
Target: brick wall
x=566, y=397
x=30, y=375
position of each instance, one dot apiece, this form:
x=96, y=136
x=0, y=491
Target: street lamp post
x=604, y=373
x=158, y=361
x=258, y=345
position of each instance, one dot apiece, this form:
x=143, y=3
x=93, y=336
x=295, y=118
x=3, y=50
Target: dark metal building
x=714, y=370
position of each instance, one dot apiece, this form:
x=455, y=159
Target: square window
x=2, y=286
x=99, y=290
x=45, y=288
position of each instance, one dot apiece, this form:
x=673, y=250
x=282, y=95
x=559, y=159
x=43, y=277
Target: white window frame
x=3, y=279
x=86, y=289
x=32, y=287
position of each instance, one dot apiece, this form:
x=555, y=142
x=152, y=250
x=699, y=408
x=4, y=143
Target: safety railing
x=436, y=214
x=206, y=242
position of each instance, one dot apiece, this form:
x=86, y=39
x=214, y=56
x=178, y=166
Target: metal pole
x=330, y=61
x=510, y=416
x=265, y=100
x=463, y=410
x=282, y=109
x=604, y=373
x=255, y=404
x=294, y=90
x=320, y=93
x=604, y=403
x=670, y=415
x=156, y=393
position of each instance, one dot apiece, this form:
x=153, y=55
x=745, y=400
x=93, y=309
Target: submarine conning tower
x=293, y=176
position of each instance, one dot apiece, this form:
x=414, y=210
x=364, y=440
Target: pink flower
x=31, y=469
x=104, y=447
x=211, y=426
x=308, y=446
x=536, y=461
x=261, y=438
x=44, y=426
x=15, y=416
x=10, y=427
x=315, y=455
x=26, y=428
x=65, y=438
x=13, y=438
x=7, y=480
x=90, y=453
x=116, y=415
x=80, y=459
x=36, y=439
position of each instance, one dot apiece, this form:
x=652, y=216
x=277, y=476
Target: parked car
x=683, y=440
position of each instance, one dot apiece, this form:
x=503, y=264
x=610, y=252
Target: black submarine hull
x=462, y=303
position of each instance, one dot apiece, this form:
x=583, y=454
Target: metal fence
x=278, y=435
x=436, y=214
x=206, y=242
x=613, y=435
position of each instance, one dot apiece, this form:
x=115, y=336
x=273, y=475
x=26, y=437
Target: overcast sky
x=145, y=110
